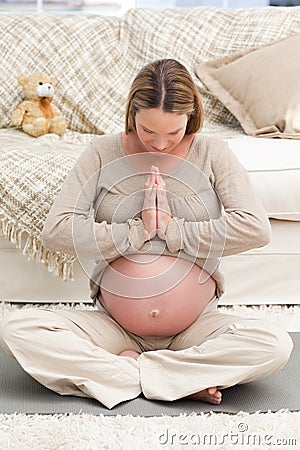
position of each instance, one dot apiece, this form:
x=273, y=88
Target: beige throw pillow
x=260, y=87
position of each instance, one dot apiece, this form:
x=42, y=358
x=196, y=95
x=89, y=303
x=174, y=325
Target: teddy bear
x=36, y=114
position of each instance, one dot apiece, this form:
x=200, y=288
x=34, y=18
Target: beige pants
x=75, y=353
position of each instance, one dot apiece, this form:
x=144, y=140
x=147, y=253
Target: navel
x=154, y=313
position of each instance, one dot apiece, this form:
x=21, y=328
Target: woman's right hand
x=149, y=214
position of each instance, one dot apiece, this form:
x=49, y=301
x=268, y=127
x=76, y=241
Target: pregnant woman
x=149, y=213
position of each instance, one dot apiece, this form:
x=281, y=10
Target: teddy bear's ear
x=53, y=80
x=22, y=78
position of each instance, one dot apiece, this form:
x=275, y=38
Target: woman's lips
x=158, y=149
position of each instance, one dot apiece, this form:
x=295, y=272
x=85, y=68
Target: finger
x=150, y=198
x=150, y=193
x=159, y=179
x=150, y=189
x=160, y=182
x=162, y=200
x=161, y=197
x=151, y=179
x=155, y=170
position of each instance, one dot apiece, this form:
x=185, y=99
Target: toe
x=215, y=396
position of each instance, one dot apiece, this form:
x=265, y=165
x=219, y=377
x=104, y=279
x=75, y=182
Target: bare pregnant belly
x=155, y=295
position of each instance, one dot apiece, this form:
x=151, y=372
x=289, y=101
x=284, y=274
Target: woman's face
x=159, y=131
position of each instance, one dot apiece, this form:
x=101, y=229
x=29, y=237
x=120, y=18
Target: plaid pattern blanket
x=31, y=174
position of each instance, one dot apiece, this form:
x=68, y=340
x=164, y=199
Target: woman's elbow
x=58, y=237
x=50, y=236
x=263, y=233
x=47, y=239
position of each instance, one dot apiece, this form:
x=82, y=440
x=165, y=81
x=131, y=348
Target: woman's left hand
x=163, y=210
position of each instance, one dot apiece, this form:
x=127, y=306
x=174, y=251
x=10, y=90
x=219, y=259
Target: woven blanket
x=31, y=174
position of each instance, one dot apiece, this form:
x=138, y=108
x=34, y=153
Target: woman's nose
x=159, y=142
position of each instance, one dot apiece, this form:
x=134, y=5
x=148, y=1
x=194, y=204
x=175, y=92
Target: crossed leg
x=209, y=395
x=216, y=352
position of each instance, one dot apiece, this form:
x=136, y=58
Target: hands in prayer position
x=156, y=210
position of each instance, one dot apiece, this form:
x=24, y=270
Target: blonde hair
x=165, y=84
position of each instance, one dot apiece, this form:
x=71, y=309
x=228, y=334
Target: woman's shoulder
x=208, y=147
x=101, y=150
x=104, y=148
x=106, y=142
x=209, y=142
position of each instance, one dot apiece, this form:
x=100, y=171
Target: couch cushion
x=274, y=168
x=268, y=274
x=29, y=282
x=261, y=87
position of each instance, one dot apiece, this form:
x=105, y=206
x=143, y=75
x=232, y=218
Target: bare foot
x=209, y=395
x=131, y=353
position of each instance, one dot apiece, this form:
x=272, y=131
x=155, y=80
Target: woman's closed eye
x=147, y=131
x=173, y=133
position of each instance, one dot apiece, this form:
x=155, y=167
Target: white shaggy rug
x=218, y=431
x=86, y=432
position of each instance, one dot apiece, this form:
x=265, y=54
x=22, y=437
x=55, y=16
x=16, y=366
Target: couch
x=94, y=59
